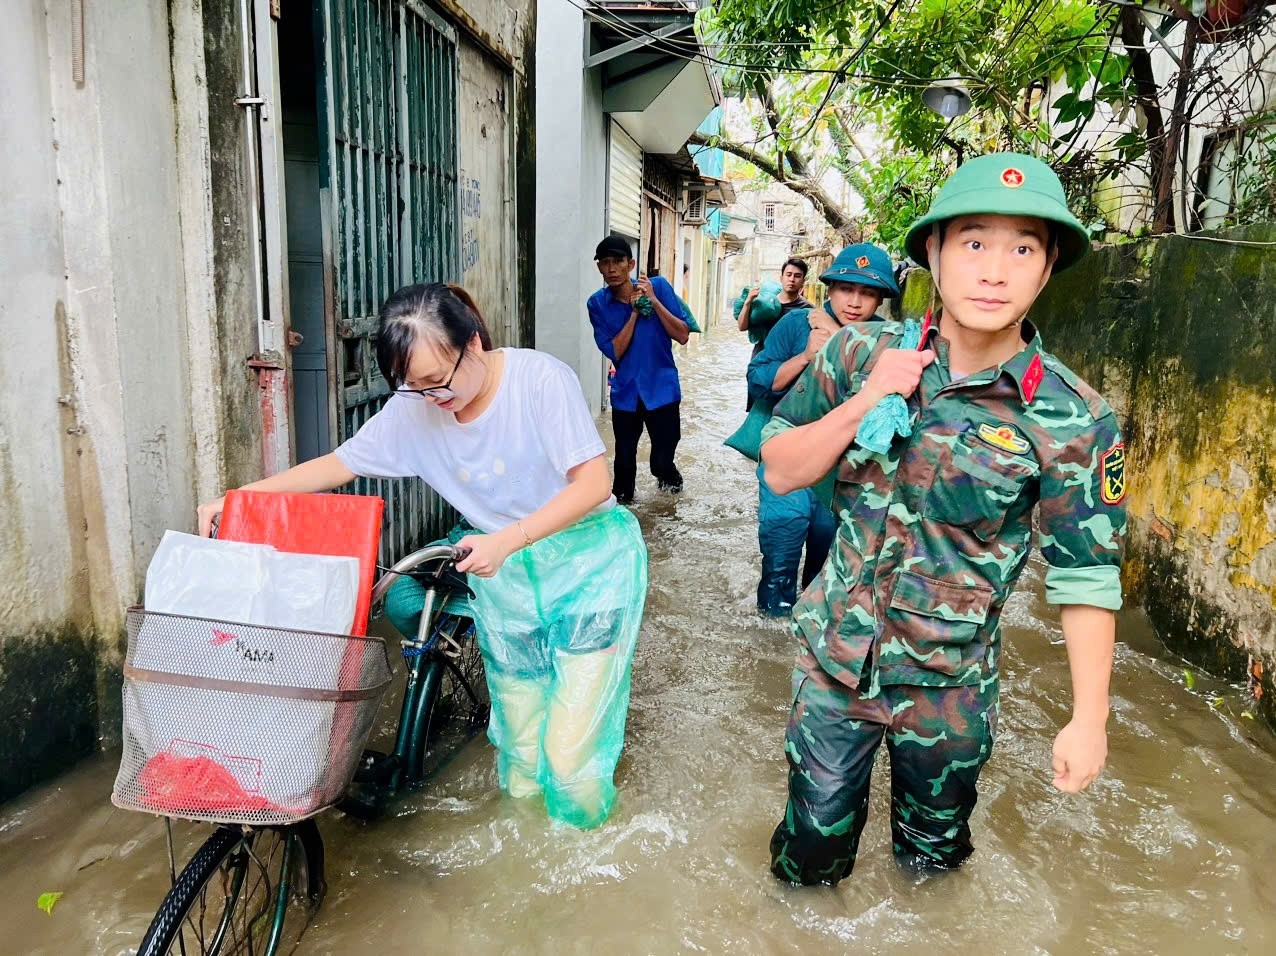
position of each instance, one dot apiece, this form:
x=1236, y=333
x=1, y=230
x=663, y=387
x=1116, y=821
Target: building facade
x=628, y=86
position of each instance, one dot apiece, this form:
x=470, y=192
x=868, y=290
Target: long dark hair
x=445, y=315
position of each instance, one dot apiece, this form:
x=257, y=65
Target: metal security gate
x=387, y=72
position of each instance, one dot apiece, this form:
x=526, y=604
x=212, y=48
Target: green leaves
x=1131, y=145
x=1069, y=108
x=865, y=65
x=47, y=901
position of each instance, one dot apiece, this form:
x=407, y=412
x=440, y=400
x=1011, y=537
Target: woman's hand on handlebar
x=208, y=513
x=486, y=553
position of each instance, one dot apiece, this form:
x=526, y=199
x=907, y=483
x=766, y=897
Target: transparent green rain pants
x=557, y=626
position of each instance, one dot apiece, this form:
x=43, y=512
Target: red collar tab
x=1031, y=380
x=927, y=324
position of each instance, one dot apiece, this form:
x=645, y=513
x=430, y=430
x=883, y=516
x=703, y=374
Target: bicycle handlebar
x=438, y=552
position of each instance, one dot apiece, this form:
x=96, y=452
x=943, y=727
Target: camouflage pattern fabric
x=933, y=534
x=938, y=740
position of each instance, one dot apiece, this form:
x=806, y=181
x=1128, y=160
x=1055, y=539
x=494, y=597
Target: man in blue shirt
x=857, y=281
x=635, y=324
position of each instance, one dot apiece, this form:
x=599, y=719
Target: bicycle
x=253, y=889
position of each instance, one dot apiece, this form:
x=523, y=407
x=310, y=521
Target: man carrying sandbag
x=790, y=298
x=635, y=323
x=858, y=279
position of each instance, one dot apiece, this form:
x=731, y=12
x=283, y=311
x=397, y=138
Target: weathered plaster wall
x=497, y=148
x=234, y=305
x=96, y=453
x=488, y=258
x=48, y=694
x=1180, y=336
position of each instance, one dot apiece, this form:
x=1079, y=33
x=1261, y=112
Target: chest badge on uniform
x=1112, y=479
x=1004, y=437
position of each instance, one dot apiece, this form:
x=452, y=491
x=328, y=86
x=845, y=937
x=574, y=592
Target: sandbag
x=747, y=439
x=688, y=316
x=765, y=311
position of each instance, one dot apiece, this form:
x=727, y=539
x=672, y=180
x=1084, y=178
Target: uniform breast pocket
x=977, y=486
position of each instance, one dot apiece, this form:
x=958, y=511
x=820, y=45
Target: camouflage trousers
x=938, y=739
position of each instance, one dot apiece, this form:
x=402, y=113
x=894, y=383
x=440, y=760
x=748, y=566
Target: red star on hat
x=1012, y=178
x=862, y=261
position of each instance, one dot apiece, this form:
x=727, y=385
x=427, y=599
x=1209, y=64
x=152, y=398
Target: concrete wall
x=571, y=179
x=1180, y=336
x=226, y=202
x=96, y=453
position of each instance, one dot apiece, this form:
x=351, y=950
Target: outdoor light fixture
x=947, y=98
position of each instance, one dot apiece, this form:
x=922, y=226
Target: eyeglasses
x=440, y=393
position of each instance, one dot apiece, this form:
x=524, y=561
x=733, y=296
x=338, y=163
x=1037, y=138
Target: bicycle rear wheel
x=244, y=893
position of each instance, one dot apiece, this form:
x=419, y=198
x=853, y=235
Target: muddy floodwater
x=1170, y=852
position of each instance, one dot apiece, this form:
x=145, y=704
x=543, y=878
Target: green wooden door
x=390, y=196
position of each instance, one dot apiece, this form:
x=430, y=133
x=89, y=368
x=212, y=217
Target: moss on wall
x=48, y=705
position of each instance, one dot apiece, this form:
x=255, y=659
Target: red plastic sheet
x=338, y=525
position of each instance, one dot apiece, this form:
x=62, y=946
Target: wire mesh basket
x=238, y=723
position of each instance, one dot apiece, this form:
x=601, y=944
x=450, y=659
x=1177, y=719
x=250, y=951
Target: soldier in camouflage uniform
x=857, y=280
x=900, y=634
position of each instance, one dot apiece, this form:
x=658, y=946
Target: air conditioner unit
x=694, y=206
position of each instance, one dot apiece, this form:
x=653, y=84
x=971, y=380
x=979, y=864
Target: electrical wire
x=662, y=45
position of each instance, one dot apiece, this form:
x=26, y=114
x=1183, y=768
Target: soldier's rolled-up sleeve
x=1082, y=518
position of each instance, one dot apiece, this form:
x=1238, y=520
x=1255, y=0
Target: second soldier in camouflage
x=900, y=634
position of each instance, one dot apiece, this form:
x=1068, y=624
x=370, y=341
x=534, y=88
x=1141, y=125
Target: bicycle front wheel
x=244, y=893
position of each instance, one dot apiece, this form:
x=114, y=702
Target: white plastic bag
x=251, y=584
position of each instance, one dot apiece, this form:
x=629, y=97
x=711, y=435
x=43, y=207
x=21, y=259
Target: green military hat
x=1004, y=184
x=864, y=264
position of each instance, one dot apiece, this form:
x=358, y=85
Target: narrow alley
x=1168, y=853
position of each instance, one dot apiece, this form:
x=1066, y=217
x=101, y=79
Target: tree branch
x=1147, y=96
x=840, y=136
x=824, y=204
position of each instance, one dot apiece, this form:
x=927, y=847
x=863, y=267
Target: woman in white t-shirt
x=559, y=570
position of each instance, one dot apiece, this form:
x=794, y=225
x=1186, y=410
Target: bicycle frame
x=425, y=671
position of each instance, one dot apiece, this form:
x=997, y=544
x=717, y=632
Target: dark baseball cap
x=613, y=245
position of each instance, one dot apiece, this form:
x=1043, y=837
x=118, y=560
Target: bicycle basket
x=237, y=723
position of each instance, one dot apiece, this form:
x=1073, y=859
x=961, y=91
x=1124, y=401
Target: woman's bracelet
x=526, y=537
